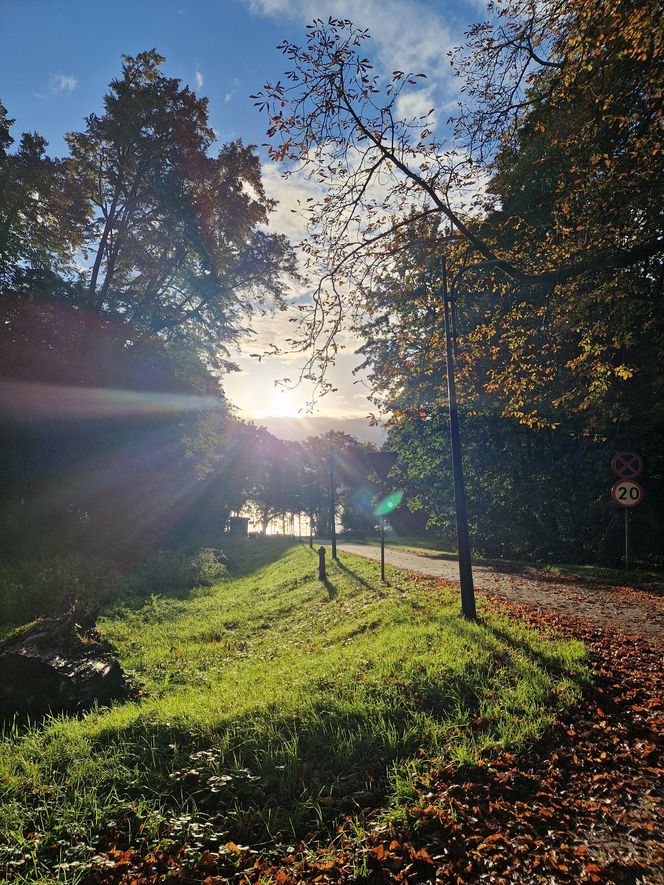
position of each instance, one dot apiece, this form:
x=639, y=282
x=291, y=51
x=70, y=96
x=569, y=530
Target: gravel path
x=630, y=610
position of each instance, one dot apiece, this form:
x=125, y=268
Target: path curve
x=630, y=610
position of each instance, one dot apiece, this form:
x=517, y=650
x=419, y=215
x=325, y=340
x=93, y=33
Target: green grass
x=272, y=705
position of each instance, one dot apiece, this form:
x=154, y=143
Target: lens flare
x=61, y=401
x=389, y=503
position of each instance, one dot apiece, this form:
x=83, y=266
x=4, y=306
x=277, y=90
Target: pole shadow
x=360, y=580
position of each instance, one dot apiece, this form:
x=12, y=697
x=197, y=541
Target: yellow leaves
x=624, y=372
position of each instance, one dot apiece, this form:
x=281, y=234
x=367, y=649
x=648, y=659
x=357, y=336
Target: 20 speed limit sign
x=627, y=493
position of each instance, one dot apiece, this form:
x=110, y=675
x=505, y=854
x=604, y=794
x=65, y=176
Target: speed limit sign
x=627, y=493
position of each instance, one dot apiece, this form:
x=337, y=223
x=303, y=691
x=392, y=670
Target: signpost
x=627, y=465
x=626, y=491
x=382, y=463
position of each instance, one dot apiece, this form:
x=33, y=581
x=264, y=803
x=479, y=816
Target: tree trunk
x=59, y=665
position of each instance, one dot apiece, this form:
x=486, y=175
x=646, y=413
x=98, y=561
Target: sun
x=282, y=405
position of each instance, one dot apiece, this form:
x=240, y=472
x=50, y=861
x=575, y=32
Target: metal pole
x=382, y=521
x=333, y=504
x=626, y=539
x=311, y=510
x=463, y=539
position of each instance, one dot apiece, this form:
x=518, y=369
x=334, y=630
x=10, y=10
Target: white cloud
x=62, y=83
x=199, y=80
x=229, y=95
x=291, y=195
x=414, y=105
x=412, y=36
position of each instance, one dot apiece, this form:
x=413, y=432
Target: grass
x=649, y=580
x=272, y=705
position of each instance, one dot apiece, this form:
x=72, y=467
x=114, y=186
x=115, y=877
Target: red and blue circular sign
x=627, y=465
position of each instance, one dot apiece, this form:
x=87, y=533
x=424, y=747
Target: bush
x=176, y=571
x=37, y=588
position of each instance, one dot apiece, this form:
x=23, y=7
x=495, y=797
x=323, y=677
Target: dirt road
x=627, y=609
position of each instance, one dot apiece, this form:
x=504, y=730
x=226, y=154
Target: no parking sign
x=627, y=465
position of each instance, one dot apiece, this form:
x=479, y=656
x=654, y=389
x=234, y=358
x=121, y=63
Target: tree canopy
x=127, y=268
x=560, y=108
x=545, y=200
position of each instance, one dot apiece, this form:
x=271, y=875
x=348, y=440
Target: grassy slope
x=272, y=705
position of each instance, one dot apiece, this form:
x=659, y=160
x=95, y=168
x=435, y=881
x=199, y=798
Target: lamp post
x=448, y=292
x=311, y=509
x=333, y=502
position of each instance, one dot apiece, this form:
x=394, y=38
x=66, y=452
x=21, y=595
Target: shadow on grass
x=330, y=587
x=547, y=663
x=374, y=588
x=265, y=773
x=244, y=557
x=272, y=772
x=247, y=555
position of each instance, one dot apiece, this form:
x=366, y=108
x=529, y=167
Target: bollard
x=321, y=564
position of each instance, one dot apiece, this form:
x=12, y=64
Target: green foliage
x=173, y=571
x=126, y=270
x=559, y=323
x=273, y=706
x=541, y=495
x=178, y=244
x=38, y=587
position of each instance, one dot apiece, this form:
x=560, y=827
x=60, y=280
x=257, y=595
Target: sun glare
x=283, y=405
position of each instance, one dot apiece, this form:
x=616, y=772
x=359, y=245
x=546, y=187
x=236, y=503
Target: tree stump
x=59, y=665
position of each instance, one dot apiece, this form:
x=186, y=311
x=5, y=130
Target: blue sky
x=58, y=58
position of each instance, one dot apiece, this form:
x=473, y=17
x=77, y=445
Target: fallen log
x=58, y=665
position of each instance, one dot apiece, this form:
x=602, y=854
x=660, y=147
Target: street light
x=468, y=607
x=333, y=502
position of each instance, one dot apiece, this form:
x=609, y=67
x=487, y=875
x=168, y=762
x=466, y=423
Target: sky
x=58, y=58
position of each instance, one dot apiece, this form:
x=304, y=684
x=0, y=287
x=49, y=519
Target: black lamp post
x=463, y=538
x=333, y=502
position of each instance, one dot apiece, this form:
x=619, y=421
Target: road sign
x=627, y=493
x=382, y=462
x=627, y=465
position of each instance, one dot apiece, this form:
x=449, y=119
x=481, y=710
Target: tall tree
x=42, y=213
x=177, y=243
x=592, y=70
x=126, y=270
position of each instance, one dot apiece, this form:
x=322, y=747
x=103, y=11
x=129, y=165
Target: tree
x=576, y=181
x=42, y=213
x=591, y=69
x=273, y=487
x=176, y=241
x=126, y=269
